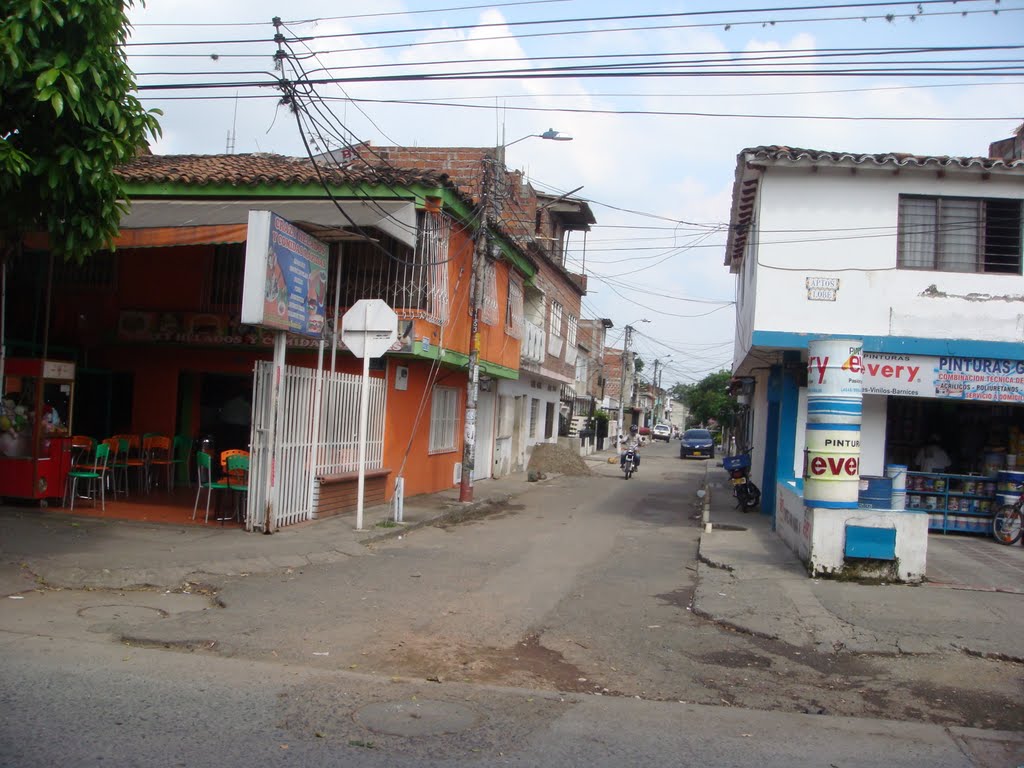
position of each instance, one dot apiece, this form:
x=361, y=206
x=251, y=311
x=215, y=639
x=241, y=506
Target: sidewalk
x=63, y=550
x=750, y=580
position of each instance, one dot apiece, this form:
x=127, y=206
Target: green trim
x=459, y=360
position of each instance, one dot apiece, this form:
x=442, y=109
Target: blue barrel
x=875, y=492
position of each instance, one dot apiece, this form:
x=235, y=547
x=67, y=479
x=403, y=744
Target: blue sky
x=659, y=184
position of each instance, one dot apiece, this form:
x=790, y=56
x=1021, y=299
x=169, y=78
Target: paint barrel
x=1008, y=481
x=1003, y=499
x=898, y=474
x=874, y=492
x=834, y=396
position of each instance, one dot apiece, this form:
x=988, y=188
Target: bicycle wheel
x=1006, y=525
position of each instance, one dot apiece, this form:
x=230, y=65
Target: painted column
x=835, y=376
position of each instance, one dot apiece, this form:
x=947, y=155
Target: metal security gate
x=303, y=458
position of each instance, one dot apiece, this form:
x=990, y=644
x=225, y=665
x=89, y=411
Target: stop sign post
x=369, y=328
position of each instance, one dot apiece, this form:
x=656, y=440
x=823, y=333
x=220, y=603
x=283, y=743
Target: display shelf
x=961, y=503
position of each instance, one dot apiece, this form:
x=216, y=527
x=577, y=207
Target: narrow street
x=533, y=630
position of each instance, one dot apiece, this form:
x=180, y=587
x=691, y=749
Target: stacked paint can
x=835, y=376
x=1009, y=487
x=898, y=474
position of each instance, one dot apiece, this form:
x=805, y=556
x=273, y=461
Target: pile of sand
x=548, y=458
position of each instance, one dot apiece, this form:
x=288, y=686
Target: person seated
x=636, y=459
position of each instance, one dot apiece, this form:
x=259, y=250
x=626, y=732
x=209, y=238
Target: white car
x=662, y=432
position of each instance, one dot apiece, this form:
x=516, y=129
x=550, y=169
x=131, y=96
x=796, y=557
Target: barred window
x=444, y=419
x=490, y=298
x=534, y=415
x=950, y=234
x=226, y=277
x=556, y=319
x=514, y=310
x=571, y=331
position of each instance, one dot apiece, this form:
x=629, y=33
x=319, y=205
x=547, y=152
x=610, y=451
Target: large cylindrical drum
x=835, y=376
x=875, y=492
x=898, y=474
x=1010, y=482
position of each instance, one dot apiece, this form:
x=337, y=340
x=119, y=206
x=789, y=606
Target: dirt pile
x=548, y=458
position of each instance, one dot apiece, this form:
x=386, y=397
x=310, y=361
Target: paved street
x=570, y=624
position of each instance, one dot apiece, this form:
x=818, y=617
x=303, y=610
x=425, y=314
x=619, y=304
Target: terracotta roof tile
x=796, y=154
x=256, y=169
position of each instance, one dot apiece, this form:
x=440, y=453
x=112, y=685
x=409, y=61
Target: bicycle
x=1007, y=523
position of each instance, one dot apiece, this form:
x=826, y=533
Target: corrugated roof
x=253, y=170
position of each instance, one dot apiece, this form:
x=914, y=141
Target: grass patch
x=387, y=524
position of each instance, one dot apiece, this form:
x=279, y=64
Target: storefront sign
x=822, y=288
x=957, y=378
x=285, y=276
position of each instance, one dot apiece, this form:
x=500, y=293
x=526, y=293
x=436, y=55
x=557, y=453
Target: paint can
x=1010, y=482
x=898, y=474
x=874, y=492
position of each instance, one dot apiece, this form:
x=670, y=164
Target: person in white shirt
x=932, y=457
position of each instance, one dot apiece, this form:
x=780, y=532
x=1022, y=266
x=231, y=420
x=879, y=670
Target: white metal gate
x=302, y=458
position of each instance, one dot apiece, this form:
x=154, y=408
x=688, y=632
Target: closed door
x=485, y=405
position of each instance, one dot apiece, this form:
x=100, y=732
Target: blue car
x=697, y=443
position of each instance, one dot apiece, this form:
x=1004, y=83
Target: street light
x=480, y=249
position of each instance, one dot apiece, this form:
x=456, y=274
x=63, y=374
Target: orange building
x=154, y=326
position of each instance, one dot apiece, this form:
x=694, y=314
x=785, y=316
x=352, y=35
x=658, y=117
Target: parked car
x=697, y=443
x=662, y=432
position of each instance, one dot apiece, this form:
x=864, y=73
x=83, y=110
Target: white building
x=918, y=257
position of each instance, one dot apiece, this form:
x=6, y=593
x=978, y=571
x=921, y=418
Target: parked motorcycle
x=747, y=494
x=630, y=461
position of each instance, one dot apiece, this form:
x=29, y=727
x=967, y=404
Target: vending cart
x=35, y=427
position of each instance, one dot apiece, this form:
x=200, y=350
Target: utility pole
x=657, y=396
x=480, y=248
x=622, y=378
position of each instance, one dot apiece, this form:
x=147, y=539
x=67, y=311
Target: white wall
x=828, y=539
x=530, y=387
x=874, y=299
x=872, y=436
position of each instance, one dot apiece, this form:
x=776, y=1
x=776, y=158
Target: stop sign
x=369, y=328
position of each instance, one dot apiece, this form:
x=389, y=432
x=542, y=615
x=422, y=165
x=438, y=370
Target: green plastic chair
x=237, y=477
x=204, y=474
x=94, y=475
x=181, y=456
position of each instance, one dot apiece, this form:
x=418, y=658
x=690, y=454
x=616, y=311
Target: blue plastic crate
x=736, y=462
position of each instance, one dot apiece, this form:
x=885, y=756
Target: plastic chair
x=129, y=458
x=225, y=455
x=181, y=455
x=95, y=476
x=156, y=451
x=204, y=474
x=237, y=477
x=82, y=447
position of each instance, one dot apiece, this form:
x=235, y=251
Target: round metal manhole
x=422, y=717
x=120, y=612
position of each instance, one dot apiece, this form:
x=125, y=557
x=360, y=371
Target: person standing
x=932, y=457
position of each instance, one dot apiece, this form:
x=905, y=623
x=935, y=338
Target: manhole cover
x=120, y=612
x=416, y=718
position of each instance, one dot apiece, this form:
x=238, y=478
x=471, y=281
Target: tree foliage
x=67, y=119
x=708, y=399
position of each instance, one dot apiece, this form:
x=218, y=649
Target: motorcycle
x=747, y=494
x=630, y=461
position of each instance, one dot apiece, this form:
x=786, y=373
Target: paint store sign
x=959, y=378
x=831, y=467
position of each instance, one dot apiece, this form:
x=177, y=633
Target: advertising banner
x=957, y=378
x=285, y=276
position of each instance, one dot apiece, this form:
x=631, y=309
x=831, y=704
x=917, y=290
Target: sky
x=655, y=138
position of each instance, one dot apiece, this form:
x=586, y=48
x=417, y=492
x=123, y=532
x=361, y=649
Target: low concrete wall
x=818, y=536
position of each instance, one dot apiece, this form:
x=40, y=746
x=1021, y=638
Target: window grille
x=224, y=290
x=514, y=319
x=950, y=234
x=444, y=419
x=556, y=319
x=489, y=312
x=534, y=416
x=571, y=331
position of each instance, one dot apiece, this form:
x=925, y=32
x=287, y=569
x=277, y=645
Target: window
x=534, y=415
x=514, y=310
x=556, y=319
x=444, y=419
x=489, y=300
x=225, y=288
x=955, y=234
x=571, y=331
x=549, y=421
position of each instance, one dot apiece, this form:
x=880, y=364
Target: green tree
x=708, y=399
x=67, y=119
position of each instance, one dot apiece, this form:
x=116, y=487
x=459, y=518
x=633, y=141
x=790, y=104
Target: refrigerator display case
x=35, y=427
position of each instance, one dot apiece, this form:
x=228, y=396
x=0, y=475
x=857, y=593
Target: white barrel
x=835, y=376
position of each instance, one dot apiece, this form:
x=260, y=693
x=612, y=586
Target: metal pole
x=274, y=438
x=364, y=403
x=473, y=366
x=622, y=379
x=314, y=448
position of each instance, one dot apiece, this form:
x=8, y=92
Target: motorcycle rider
x=633, y=430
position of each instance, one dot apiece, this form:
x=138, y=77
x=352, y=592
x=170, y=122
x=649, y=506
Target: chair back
x=114, y=446
x=182, y=447
x=83, y=442
x=238, y=470
x=157, y=448
x=133, y=444
x=102, y=456
x=225, y=455
x=204, y=468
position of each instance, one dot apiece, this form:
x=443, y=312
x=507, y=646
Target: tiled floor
x=158, y=506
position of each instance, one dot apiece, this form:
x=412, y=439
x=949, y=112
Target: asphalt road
x=553, y=632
